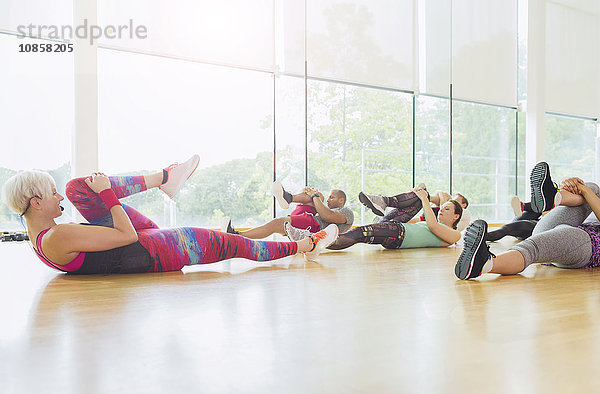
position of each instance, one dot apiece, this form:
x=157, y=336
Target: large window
x=153, y=109
x=36, y=108
x=357, y=95
x=359, y=139
x=290, y=134
x=570, y=147
x=432, y=143
x=483, y=166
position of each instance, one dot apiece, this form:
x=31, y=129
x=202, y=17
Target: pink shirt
x=71, y=266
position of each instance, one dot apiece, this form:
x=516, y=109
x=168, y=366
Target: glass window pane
x=223, y=114
x=362, y=41
x=483, y=167
x=36, y=108
x=523, y=194
x=570, y=147
x=432, y=140
x=290, y=131
x=228, y=31
x=359, y=139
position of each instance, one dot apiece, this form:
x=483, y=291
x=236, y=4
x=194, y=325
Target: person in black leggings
x=520, y=227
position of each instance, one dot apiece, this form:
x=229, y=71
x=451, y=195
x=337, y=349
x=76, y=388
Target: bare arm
x=570, y=192
x=448, y=235
x=78, y=238
x=328, y=215
x=591, y=198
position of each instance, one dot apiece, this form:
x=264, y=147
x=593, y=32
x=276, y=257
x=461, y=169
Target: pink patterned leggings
x=172, y=248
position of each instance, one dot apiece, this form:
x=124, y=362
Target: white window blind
x=362, y=41
x=572, y=65
x=237, y=32
x=484, y=51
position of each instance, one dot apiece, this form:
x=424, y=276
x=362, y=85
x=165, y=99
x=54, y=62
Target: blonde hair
x=21, y=187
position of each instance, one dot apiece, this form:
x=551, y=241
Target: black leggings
x=389, y=232
x=520, y=229
x=406, y=205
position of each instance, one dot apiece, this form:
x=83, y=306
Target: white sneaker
x=557, y=199
x=227, y=227
x=279, y=193
x=321, y=240
x=373, y=202
x=295, y=234
x=177, y=174
x=515, y=204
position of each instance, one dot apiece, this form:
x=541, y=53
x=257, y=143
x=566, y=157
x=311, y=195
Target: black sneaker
x=543, y=190
x=475, y=251
x=375, y=203
x=227, y=227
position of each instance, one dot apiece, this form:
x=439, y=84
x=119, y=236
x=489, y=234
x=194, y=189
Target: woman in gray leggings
x=561, y=237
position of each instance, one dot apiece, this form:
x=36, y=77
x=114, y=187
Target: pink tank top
x=71, y=266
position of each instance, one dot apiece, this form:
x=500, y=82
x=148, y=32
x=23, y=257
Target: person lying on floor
x=378, y=204
x=118, y=238
x=395, y=233
x=561, y=237
x=312, y=213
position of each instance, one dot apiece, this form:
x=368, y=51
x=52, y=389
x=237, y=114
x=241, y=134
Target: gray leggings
x=556, y=238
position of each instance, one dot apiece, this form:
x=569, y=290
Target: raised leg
x=521, y=229
x=570, y=215
x=403, y=200
x=403, y=215
x=93, y=209
x=565, y=246
x=388, y=234
x=272, y=227
x=302, y=198
x=439, y=197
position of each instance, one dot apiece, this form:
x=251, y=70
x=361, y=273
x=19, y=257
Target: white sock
x=557, y=199
x=487, y=267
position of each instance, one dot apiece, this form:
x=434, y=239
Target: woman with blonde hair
x=118, y=238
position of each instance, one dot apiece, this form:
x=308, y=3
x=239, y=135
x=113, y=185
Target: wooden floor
x=365, y=320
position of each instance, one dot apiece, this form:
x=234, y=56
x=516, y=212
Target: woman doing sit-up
x=393, y=232
x=563, y=237
x=119, y=239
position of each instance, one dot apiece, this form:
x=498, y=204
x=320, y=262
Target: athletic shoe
x=375, y=203
x=543, y=190
x=227, y=227
x=283, y=197
x=557, y=199
x=475, y=251
x=517, y=206
x=321, y=240
x=177, y=174
x=295, y=234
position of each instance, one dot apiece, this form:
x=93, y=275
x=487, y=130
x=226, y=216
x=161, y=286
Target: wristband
x=109, y=198
x=315, y=195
